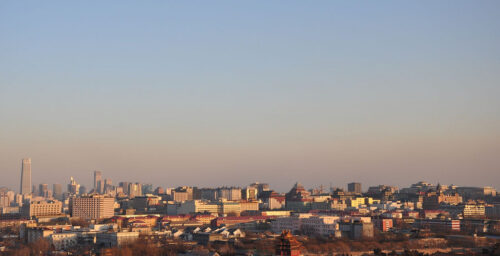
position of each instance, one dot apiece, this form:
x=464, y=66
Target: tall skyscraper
x=97, y=181
x=25, y=187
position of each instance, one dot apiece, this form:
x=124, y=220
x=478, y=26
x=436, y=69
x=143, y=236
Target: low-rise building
x=197, y=206
x=358, y=201
x=309, y=224
x=205, y=238
x=36, y=233
x=63, y=241
x=249, y=206
x=438, y=225
x=493, y=211
x=41, y=208
x=356, y=229
x=474, y=211
x=116, y=239
x=232, y=221
x=321, y=225
x=229, y=207
x=331, y=204
x=292, y=223
x=467, y=211
x=143, y=203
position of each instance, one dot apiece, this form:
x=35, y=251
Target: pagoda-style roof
x=287, y=244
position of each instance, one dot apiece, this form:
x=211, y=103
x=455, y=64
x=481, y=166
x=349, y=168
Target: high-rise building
x=97, y=181
x=134, y=189
x=354, y=187
x=43, y=190
x=57, y=188
x=73, y=187
x=4, y=200
x=261, y=187
x=147, y=188
x=26, y=176
x=124, y=186
x=232, y=194
x=34, y=190
x=92, y=207
x=250, y=193
x=208, y=194
x=108, y=186
x=82, y=190
x=182, y=194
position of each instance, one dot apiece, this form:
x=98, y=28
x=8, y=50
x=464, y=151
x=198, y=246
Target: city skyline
x=230, y=93
x=98, y=184
x=250, y=127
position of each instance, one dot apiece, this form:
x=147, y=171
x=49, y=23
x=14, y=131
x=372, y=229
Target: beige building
x=433, y=199
x=134, y=189
x=321, y=225
x=195, y=206
x=92, y=207
x=221, y=207
x=231, y=194
x=180, y=196
x=474, y=211
x=229, y=207
x=4, y=200
x=249, y=205
x=292, y=223
x=250, y=193
x=41, y=208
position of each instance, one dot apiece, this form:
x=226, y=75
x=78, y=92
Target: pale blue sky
x=230, y=92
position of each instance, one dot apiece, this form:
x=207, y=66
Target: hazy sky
x=230, y=92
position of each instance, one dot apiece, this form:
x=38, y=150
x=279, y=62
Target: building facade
x=97, y=182
x=92, y=207
x=41, y=208
x=354, y=187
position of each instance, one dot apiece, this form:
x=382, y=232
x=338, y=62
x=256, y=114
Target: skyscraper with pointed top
x=25, y=187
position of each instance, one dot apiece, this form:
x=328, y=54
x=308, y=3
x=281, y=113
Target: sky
x=212, y=93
